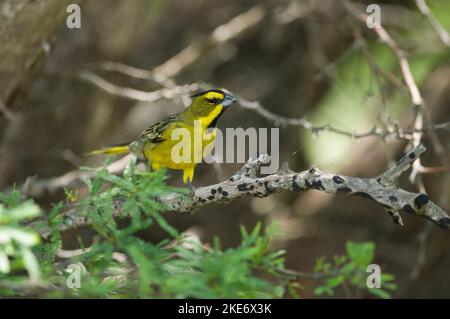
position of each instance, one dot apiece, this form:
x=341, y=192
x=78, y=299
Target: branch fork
x=381, y=189
x=245, y=182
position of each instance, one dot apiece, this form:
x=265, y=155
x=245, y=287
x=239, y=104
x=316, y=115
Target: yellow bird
x=160, y=143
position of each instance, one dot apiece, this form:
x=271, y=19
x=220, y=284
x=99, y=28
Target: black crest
x=204, y=92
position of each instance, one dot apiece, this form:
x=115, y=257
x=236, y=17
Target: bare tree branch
x=36, y=187
x=245, y=182
x=222, y=34
x=375, y=68
x=134, y=94
x=416, y=97
x=169, y=93
x=438, y=28
x=138, y=73
x=414, y=92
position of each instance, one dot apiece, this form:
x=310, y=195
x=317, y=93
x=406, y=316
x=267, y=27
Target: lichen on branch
x=246, y=182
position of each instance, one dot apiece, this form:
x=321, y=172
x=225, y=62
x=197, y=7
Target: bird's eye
x=211, y=101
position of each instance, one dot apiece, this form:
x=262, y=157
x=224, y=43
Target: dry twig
x=256, y=106
x=438, y=28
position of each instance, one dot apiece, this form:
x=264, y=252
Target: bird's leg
x=190, y=186
x=188, y=175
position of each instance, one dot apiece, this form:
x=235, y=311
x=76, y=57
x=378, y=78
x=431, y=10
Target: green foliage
x=350, y=270
x=202, y=273
x=16, y=241
x=137, y=190
x=119, y=264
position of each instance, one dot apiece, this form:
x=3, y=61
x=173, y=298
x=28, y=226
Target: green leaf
x=31, y=264
x=5, y=267
x=23, y=237
x=24, y=211
x=378, y=292
x=336, y=281
x=361, y=254
x=387, y=277
x=389, y=285
x=12, y=199
x=318, y=291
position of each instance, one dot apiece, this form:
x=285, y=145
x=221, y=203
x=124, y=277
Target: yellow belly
x=171, y=154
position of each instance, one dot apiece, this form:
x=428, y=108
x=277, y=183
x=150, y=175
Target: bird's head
x=205, y=102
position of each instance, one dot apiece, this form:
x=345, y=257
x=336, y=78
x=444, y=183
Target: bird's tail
x=112, y=150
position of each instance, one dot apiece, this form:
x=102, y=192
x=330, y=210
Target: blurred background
x=298, y=58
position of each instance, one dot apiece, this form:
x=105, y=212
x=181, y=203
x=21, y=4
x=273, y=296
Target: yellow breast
x=183, y=146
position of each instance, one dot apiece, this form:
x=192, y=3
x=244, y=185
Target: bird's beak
x=228, y=100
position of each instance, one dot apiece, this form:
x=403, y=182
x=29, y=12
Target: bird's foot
x=190, y=186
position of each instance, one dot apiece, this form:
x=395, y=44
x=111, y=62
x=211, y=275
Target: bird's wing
x=157, y=132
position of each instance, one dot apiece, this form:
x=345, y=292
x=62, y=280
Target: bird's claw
x=191, y=186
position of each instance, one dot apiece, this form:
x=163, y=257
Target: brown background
x=279, y=62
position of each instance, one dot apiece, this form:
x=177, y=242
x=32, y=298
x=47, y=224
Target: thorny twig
x=228, y=32
x=416, y=97
x=375, y=68
x=414, y=92
x=255, y=106
x=419, y=105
